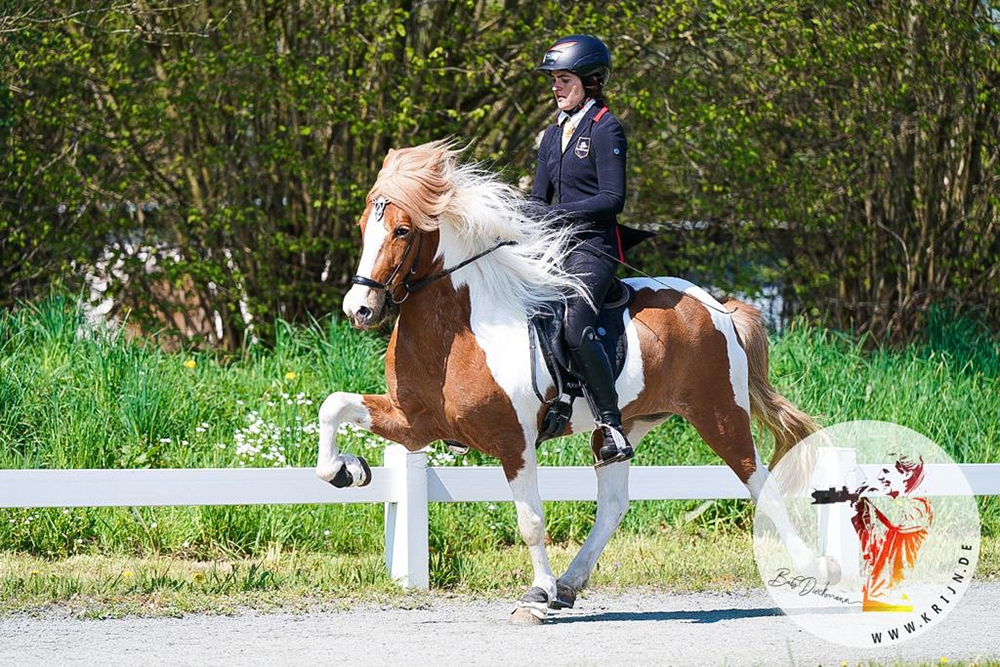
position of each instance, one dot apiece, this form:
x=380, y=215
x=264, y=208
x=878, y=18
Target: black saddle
x=545, y=331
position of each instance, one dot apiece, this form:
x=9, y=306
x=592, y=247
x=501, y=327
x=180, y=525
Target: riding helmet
x=583, y=55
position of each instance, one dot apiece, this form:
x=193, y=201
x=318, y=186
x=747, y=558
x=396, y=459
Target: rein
x=409, y=287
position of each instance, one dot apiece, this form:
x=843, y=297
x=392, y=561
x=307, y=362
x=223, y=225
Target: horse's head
x=388, y=256
x=413, y=189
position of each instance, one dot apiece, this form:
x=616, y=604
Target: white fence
x=405, y=485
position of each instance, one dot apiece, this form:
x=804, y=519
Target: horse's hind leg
x=727, y=432
x=612, y=503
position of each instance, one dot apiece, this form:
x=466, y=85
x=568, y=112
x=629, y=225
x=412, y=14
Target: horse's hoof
x=343, y=478
x=362, y=475
x=524, y=616
x=565, y=597
x=368, y=472
x=532, y=604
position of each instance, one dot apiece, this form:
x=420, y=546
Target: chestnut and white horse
x=458, y=365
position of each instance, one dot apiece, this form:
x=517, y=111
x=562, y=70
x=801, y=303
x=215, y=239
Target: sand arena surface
x=740, y=628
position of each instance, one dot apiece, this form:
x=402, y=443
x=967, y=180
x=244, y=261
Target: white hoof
x=525, y=616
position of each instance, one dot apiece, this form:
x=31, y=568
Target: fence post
x=406, y=556
x=837, y=537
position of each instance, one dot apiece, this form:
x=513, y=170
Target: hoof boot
x=565, y=597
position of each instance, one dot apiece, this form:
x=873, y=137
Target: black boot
x=594, y=367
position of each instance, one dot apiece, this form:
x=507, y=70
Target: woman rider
x=581, y=175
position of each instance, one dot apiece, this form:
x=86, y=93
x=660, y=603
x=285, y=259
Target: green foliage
x=75, y=398
x=213, y=158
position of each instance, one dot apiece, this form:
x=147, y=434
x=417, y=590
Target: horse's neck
x=430, y=321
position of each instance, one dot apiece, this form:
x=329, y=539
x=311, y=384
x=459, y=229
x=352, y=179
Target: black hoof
x=368, y=471
x=342, y=479
x=535, y=595
x=565, y=597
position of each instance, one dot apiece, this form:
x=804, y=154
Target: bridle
x=378, y=210
x=408, y=287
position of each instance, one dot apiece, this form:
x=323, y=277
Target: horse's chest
x=473, y=378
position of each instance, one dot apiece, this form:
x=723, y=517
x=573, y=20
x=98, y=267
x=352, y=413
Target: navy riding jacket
x=587, y=181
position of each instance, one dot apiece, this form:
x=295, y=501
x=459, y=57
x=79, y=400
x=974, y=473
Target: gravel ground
x=635, y=628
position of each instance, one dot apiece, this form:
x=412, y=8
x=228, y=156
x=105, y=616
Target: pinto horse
x=452, y=245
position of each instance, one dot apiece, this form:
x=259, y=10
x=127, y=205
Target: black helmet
x=583, y=55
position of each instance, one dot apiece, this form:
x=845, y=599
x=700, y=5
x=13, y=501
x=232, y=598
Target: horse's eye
x=401, y=232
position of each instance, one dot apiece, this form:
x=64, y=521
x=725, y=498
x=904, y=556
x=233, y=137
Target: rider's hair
x=593, y=86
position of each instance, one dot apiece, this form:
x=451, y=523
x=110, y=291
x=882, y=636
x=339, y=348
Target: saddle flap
x=610, y=329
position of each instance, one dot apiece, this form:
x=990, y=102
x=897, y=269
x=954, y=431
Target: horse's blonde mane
x=473, y=209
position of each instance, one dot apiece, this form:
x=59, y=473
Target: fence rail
x=405, y=484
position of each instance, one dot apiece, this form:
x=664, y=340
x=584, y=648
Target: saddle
x=545, y=332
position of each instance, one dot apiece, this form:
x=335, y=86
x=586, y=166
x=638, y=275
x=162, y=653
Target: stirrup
x=623, y=449
x=457, y=448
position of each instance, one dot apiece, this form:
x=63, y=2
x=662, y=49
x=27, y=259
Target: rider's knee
x=577, y=333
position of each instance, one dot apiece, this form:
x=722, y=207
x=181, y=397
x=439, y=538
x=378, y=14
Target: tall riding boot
x=593, y=365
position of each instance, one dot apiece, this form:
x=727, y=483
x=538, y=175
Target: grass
x=71, y=397
x=90, y=586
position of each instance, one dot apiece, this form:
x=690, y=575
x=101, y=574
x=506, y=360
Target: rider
x=581, y=175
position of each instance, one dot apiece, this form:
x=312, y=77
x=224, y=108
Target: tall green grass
x=72, y=397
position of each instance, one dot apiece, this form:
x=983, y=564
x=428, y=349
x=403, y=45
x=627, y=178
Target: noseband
x=387, y=285
x=409, y=287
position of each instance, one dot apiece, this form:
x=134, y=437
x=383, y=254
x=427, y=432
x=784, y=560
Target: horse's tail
x=787, y=423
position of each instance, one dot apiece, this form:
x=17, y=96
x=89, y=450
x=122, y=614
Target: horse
x=455, y=248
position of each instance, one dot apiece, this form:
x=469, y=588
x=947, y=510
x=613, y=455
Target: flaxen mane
x=473, y=209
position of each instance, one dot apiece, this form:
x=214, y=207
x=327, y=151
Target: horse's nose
x=363, y=317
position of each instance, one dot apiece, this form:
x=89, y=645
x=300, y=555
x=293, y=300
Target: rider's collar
x=577, y=115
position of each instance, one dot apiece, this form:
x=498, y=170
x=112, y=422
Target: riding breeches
x=597, y=274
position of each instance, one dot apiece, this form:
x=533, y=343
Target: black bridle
x=387, y=285
x=408, y=287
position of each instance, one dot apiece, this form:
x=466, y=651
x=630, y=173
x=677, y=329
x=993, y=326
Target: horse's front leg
x=371, y=412
x=533, y=605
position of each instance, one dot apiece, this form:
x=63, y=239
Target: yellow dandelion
x=290, y=375
x=943, y=660
x=35, y=573
x=127, y=574
x=199, y=577
x=190, y=363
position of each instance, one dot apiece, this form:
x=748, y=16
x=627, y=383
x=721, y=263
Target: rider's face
x=567, y=88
